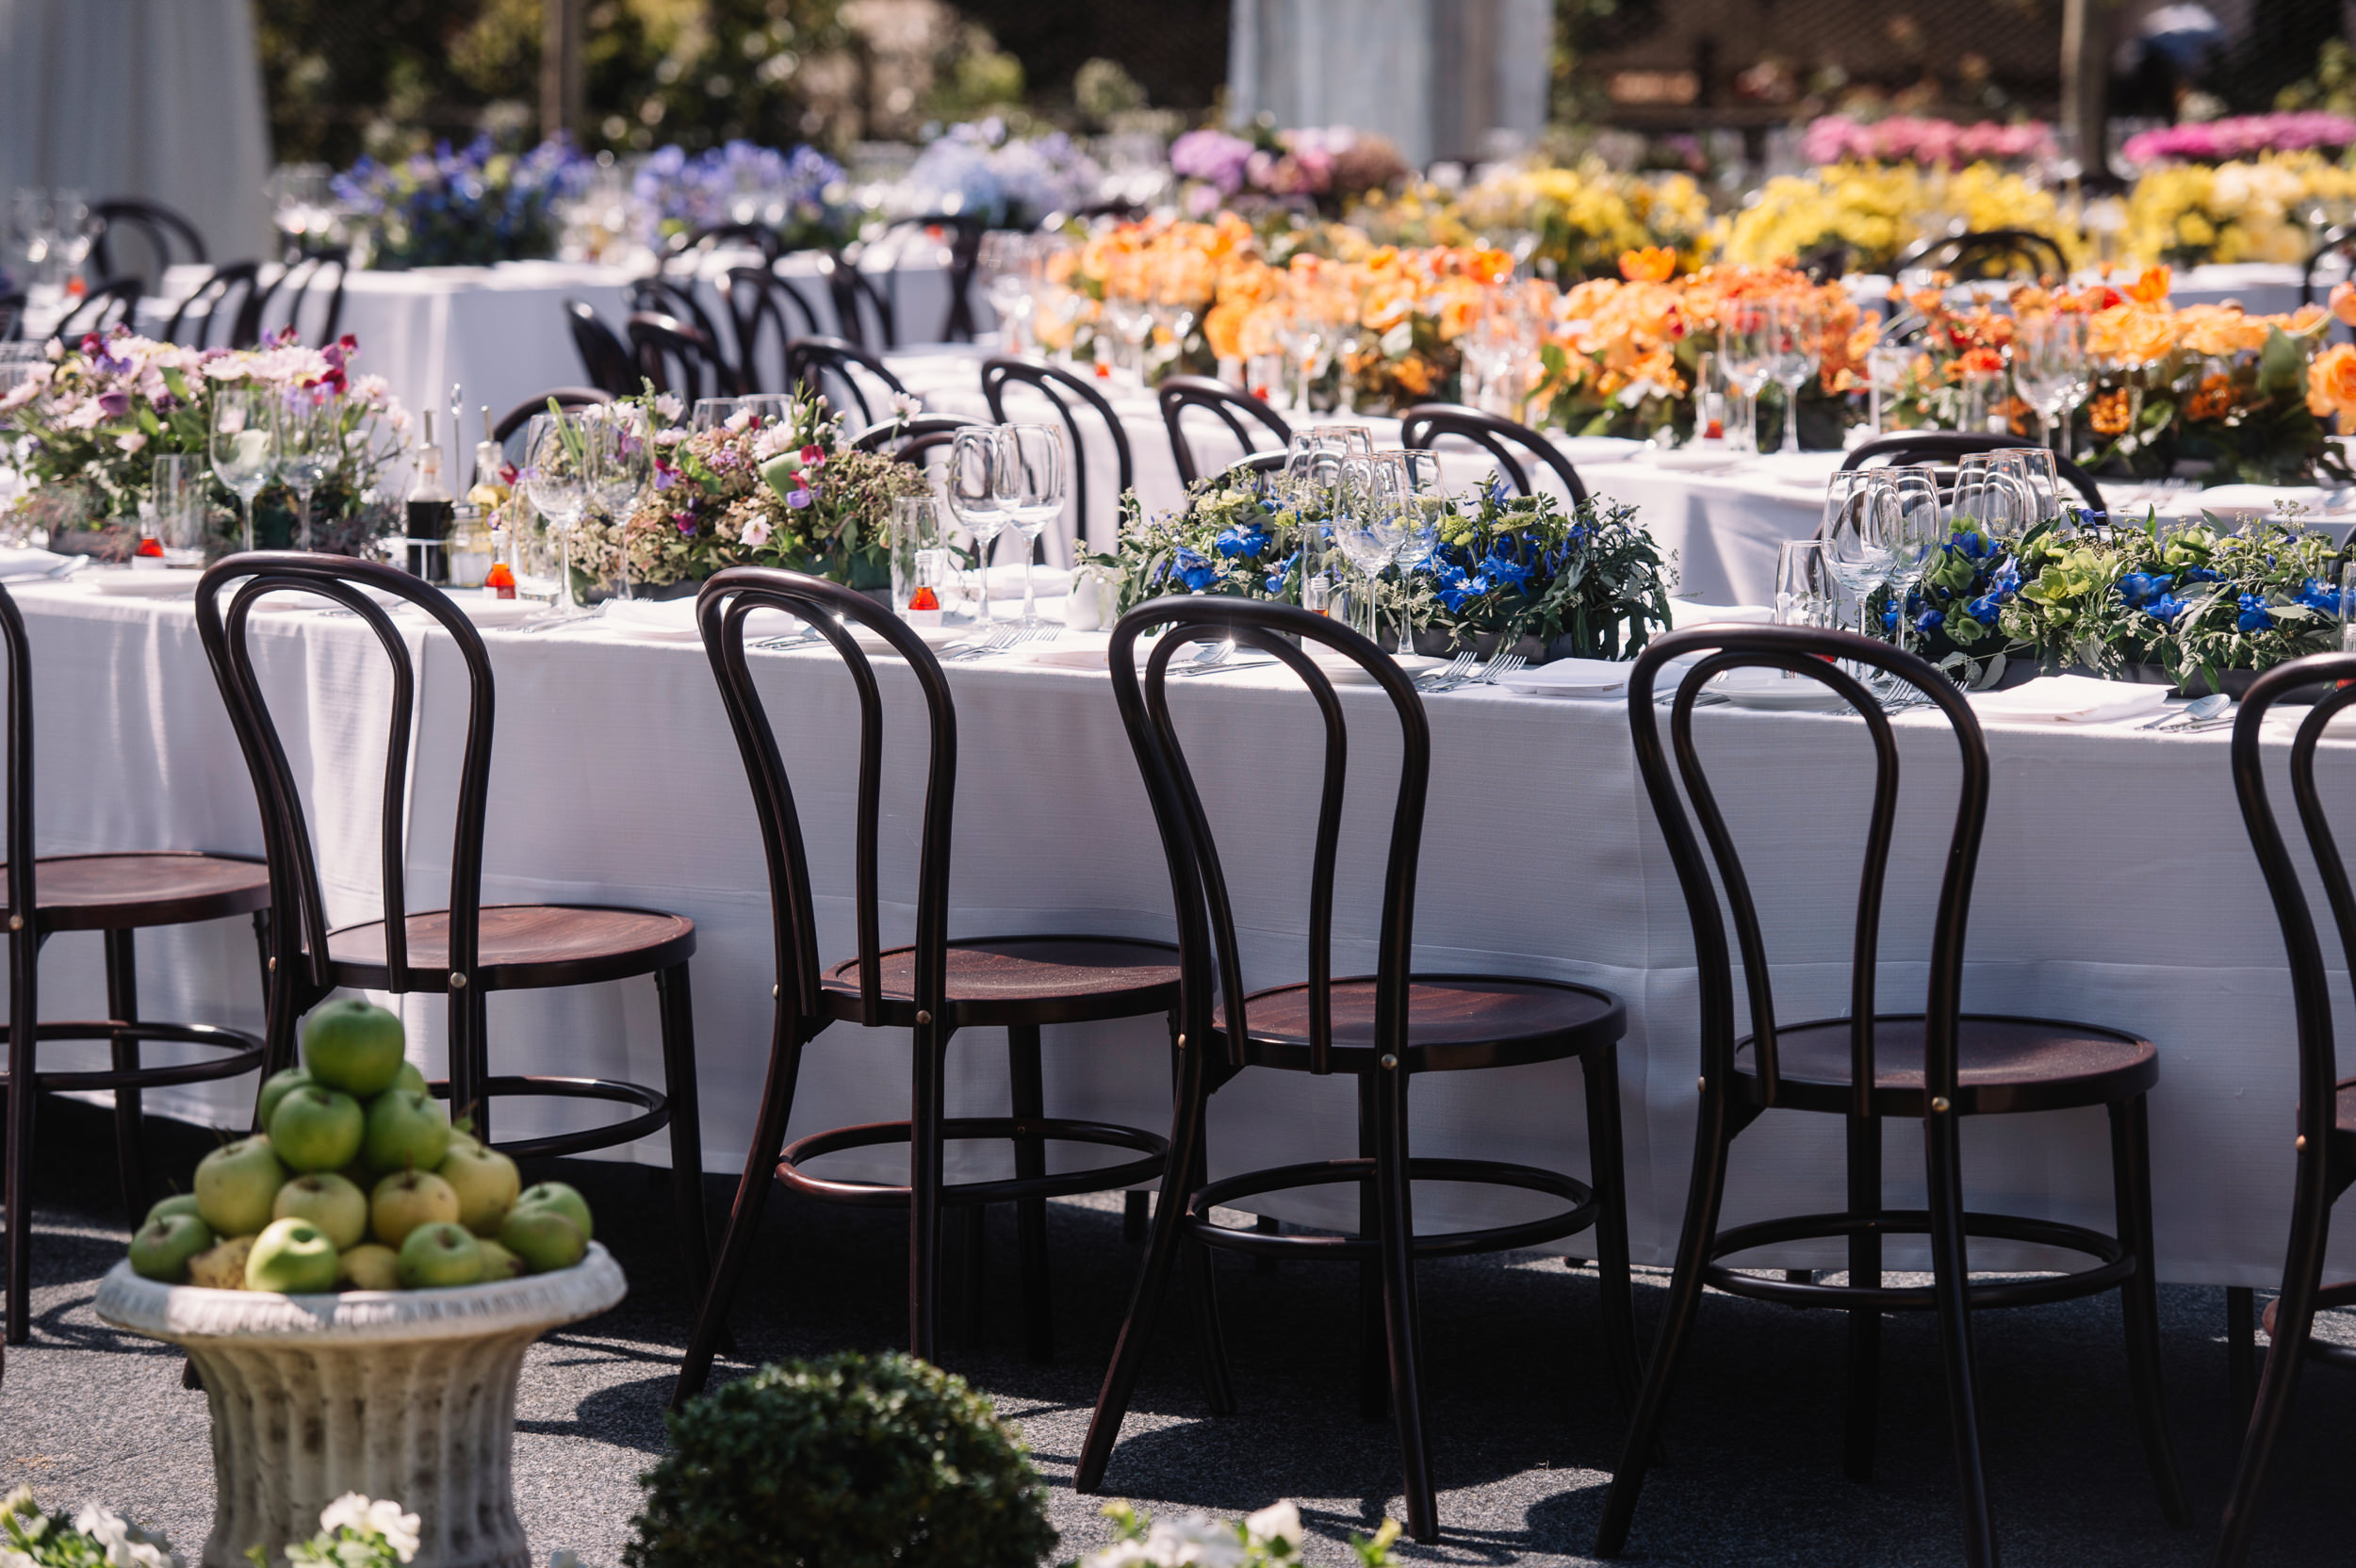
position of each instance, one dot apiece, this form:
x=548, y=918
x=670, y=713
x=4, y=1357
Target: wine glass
x=621, y=462
x=310, y=440
x=556, y=471
x=2039, y=478
x=1428, y=503
x=977, y=498
x=1918, y=532
x=1861, y=524
x=2050, y=367
x=1745, y=341
x=243, y=446
x=1796, y=330
x=1805, y=586
x=1032, y=477
x=712, y=413
x=1372, y=504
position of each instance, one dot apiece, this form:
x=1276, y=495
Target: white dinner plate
x=1569, y=677
x=151, y=584
x=1773, y=690
x=1348, y=672
x=490, y=610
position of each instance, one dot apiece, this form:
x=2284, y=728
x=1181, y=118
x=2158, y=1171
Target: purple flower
x=1213, y=157
x=797, y=499
x=115, y=404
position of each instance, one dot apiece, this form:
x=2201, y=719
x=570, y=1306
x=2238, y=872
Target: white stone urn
x=402, y=1394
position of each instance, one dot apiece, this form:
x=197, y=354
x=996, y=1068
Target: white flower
x=1196, y=1539
x=381, y=1517
x=131, y=441
x=1276, y=1522
x=1121, y=1554
x=670, y=407
x=756, y=533
x=772, y=440
x=907, y=404
x=124, y=1543
x=740, y=421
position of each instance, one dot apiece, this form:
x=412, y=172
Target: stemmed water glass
x=556, y=474
x=243, y=446
x=978, y=497
x=1032, y=471
x=1429, y=502
x=1745, y=345
x=621, y=461
x=310, y=443
x=1861, y=525
x=1918, y=530
x=2049, y=365
x=1795, y=333
x=1371, y=514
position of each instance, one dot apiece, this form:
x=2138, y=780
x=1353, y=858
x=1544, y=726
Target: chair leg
x=122, y=1005
x=676, y=1002
x=470, y=1060
x=1199, y=1263
x=16, y=1198
x=1862, y=1419
x=929, y=1053
x=1399, y=1316
x=1600, y=1074
x=1951, y=1280
x=743, y=1227
x=1030, y=1214
x=970, y=1238
x=2241, y=1350
x=1161, y=1252
x=1374, y=1362
x=2286, y=1355
x=2139, y=1300
x=1712, y=1139
x=1134, y=1214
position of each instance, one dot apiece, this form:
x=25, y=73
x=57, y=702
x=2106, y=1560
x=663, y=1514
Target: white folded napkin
x=1685, y=613
x=2070, y=700
x=21, y=564
x=658, y=620
x=1005, y=581
x=1570, y=677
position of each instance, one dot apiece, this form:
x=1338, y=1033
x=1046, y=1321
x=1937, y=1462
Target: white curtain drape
x=159, y=99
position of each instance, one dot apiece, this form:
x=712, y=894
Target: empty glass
x=1807, y=594
x=1796, y=333
x=621, y=459
x=920, y=580
x=1373, y=508
x=179, y=484
x=712, y=413
x=556, y=472
x=976, y=497
x=2038, y=476
x=243, y=446
x=1861, y=526
x=2049, y=368
x=310, y=447
x=1033, y=476
x=1745, y=341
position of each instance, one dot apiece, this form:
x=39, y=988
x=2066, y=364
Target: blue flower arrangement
x=1012, y=182
x=803, y=194
x=470, y=207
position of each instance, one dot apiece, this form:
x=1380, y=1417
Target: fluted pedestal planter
x=407, y=1394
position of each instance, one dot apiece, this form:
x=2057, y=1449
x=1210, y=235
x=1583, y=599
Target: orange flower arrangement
x=2332, y=382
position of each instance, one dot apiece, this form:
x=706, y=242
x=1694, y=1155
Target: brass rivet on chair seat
x=773, y=993
x=458, y=982
x=273, y=963
x=1181, y=1042
x=1938, y=1104
x=16, y=923
x=2299, y=1142
x=1701, y=1085
x=922, y=1017
x=1390, y=1061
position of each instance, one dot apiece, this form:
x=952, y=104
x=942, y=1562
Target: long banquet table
x=2116, y=886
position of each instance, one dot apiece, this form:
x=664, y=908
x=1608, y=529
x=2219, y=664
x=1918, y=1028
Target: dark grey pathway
x=1524, y=1422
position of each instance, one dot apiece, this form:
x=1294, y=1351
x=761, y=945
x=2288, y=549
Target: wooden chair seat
x=1002, y=980
x=121, y=892
x=1454, y=1022
x=2005, y=1066
x=522, y=947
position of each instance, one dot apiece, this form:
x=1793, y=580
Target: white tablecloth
x=2116, y=886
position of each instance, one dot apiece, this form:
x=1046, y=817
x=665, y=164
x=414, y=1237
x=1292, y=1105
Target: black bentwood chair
x=1987, y=254
x=1178, y=393
x=468, y=948
x=831, y=367
x=1426, y=423
x=604, y=357
x=115, y=895
x=1067, y=394
x=2325, y=1142
x=1383, y=1028
x=936, y=987
x=1940, y=1064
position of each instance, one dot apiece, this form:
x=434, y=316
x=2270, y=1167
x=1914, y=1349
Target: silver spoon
x=2192, y=713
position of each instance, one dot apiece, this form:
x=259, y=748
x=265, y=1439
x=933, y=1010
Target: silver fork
x=1498, y=664
x=997, y=640
x=1448, y=678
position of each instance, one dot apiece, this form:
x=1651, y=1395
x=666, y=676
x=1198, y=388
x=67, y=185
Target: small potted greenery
x=852, y=1462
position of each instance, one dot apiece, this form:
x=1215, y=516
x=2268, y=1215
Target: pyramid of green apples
x=358, y=1182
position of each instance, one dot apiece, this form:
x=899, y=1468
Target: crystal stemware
x=977, y=498
x=243, y=446
x=1371, y=521
x=310, y=442
x=556, y=476
x=1745, y=340
x=1796, y=330
x=1034, y=470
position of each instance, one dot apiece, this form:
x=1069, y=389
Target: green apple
x=292, y=1257
x=163, y=1247
x=409, y=1078
x=328, y=1202
x=401, y=1204
x=317, y=1129
x=488, y=1183
x=544, y=1236
x=235, y=1185
x=353, y=1046
x=179, y=1203
x=565, y=1199
x=439, y=1255
x=406, y=1131
x=278, y=1086
x=367, y=1266
x=497, y=1262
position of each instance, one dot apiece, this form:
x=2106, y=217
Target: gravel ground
x=1525, y=1426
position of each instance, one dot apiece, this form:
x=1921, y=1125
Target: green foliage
x=852, y=1462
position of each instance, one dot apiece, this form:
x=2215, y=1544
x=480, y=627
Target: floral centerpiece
x=467, y=208
x=1623, y=352
x=1269, y=1539
x=1587, y=581
x=788, y=492
x=1874, y=212
x=1938, y=143
x=2197, y=602
x=1011, y=181
x=91, y=421
x=801, y=195
x=2244, y=210
x=1322, y=169
x=1581, y=219
x=2242, y=137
